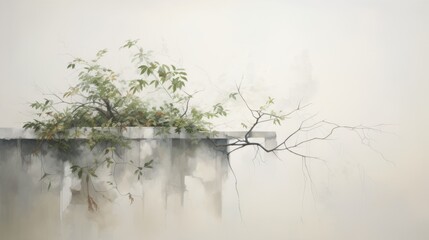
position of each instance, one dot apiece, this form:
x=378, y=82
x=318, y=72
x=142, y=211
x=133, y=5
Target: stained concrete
x=187, y=176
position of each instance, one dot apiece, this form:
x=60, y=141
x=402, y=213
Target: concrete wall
x=186, y=181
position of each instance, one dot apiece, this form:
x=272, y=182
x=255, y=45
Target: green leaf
x=44, y=176
x=101, y=53
x=74, y=168
x=130, y=197
x=148, y=164
x=130, y=43
x=79, y=174
x=233, y=96
x=143, y=69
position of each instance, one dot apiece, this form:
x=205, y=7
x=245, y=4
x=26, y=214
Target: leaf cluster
x=103, y=103
x=101, y=98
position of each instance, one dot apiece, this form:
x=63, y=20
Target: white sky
x=361, y=55
x=357, y=61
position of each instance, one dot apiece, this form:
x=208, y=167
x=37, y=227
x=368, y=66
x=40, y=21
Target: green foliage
x=102, y=104
x=100, y=99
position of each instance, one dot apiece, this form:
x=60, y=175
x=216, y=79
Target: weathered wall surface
x=27, y=209
x=185, y=181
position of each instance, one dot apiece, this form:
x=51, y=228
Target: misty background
x=357, y=62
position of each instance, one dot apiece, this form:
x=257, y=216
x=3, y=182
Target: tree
x=102, y=104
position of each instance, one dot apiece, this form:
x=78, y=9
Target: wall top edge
x=142, y=133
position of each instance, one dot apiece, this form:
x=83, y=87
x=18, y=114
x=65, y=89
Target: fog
x=357, y=62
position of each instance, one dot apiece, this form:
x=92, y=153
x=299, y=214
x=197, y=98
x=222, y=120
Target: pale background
x=358, y=62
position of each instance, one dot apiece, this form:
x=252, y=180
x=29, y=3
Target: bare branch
x=261, y=116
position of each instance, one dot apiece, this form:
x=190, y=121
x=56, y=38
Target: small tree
x=102, y=104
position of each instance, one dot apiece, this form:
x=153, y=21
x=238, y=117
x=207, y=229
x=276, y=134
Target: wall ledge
x=142, y=133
